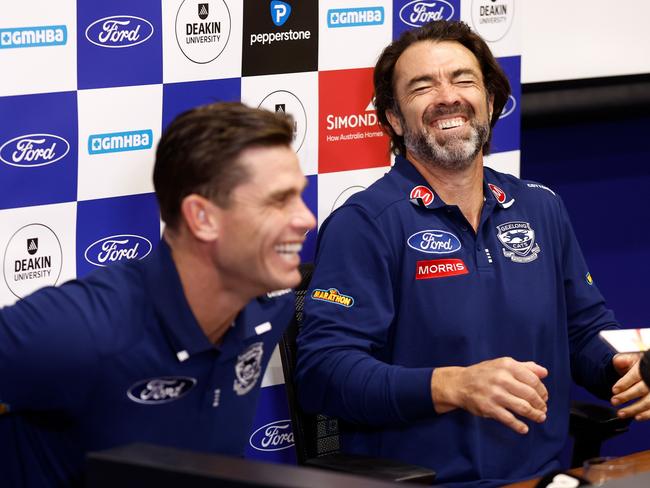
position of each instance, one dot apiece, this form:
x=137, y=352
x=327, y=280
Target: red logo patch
x=349, y=135
x=499, y=194
x=422, y=192
x=439, y=268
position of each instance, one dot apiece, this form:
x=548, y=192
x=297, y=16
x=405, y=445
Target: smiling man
x=171, y=349
x=471, y=307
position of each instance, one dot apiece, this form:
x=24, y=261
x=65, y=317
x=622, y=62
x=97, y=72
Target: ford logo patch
x=33, y=150
x=418, y=12
x=272, y=437
x=119, y=31
x=117, y=248
x=155, y=391
x=434, y=242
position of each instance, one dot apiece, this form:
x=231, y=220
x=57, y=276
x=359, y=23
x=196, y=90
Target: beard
x=453, y=152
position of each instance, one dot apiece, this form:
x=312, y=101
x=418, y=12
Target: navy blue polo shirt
x=403, y=285
x=118, y=357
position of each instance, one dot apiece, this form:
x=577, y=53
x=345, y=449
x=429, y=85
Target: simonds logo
x=119, y=31
x=417, y=13
x=274, y=436
x=117, y=248
x=33, y=150
x=160, y=390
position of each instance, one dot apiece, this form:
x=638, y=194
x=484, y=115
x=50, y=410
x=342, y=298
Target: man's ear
x=200, y=216
x=395, y=122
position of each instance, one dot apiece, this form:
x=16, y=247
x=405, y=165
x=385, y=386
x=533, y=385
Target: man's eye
x=464, y=82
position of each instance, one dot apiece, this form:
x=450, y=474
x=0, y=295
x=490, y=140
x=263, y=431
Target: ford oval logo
x=272, y=437
x=34, y=150
x=434, y=242
x=119, y=31
x=418, y=12
x=509, y=107
x=117, y=248
x=161, y=390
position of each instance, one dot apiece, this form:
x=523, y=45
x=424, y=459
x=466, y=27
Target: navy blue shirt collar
x=419, y=192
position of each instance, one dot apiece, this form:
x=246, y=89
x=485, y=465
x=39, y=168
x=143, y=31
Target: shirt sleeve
x=587, y=315
x=344, y=366
x=46, y=351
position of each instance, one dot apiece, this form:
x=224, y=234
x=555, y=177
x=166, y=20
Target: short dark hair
x=199, y=151
x=496, y=82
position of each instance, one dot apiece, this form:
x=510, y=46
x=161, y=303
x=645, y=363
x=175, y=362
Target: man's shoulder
x=526, y=191
x=375, y=200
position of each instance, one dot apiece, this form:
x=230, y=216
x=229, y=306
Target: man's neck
x=213, y=305
x=463, y=188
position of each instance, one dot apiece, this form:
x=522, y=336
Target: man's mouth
x=288, y=250
x=444, y=124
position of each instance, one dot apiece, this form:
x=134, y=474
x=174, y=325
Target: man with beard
x=451, y=304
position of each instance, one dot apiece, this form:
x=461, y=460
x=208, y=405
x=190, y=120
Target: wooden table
x=641, y=458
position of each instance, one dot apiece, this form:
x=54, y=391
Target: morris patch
x=439, y=268
x=332, y=296
x=248, y=368
x=518, y=239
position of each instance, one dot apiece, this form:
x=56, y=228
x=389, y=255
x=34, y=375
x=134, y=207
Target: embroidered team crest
x=248, y=368
x=518, y=239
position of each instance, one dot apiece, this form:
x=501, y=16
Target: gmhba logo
x=203, y=29
x=33, y=259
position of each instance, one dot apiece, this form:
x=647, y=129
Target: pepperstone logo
x=492, y=18
x=33, y=150
x=274, y=436
x=417, y=12
x=161, y=390
x=286, y=102
x=280, y=12
x=355, y=17
x=117, y=248
x=33, y=259
x=203, y=29
x=111, y=142
x=119, y=31
x=39, y=36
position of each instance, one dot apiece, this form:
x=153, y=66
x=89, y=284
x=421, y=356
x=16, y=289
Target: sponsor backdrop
x=88, y=87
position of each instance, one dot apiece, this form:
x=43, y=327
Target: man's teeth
x=450, y=123
x=288, y=248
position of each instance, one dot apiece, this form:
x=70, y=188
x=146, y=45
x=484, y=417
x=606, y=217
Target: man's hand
x=499, y=389
x=630, y=387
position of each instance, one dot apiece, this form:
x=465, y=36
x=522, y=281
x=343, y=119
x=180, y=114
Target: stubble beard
x=455, y=152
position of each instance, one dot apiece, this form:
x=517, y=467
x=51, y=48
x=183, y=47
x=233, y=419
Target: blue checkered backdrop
x=87, y=87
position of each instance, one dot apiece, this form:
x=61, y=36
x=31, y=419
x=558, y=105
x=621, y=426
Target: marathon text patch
x=332, y=296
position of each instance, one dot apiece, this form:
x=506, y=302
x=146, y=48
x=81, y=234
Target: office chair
x=317, y=436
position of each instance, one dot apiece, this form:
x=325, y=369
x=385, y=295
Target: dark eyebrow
x=419, y=79
x=464, y=71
